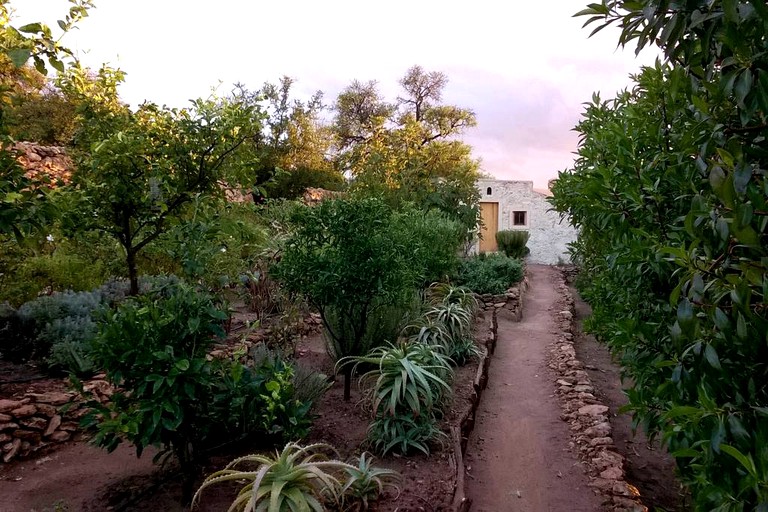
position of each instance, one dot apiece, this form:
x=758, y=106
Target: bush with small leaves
x=492, y=273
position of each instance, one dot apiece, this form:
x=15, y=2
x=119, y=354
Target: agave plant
x=365, y=483
x=296, y=479
x=407, y=376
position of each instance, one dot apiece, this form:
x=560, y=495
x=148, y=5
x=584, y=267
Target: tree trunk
x=133, y=273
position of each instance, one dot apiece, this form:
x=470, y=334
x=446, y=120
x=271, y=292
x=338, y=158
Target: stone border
x=34, y=422
x=588, y=418
x=460, y=434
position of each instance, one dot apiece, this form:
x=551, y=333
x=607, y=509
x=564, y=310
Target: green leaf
x=19, y=56
x=182, y=364
x=710, y=354
x=31, y=28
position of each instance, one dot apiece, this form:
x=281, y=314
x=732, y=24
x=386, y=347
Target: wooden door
x=489, y=214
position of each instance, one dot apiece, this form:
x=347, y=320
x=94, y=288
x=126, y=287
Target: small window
x=488, y=191
x=518, y=219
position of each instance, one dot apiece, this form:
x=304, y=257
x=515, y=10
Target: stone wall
x=509, y=302
x=44, y=162
x=35, y=421
x=549, y=235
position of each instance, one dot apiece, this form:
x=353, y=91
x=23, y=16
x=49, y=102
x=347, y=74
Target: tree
x=347, y=260
x=671, y=197
x=137, y=170
x=295, y=144
x=409, y=151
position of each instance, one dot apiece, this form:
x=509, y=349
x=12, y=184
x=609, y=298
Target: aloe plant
x=408, y=376
x=456, y=319
x=296, y=479
x=365, y=483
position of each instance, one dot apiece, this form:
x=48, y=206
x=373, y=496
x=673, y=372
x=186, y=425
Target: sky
x=524, y=67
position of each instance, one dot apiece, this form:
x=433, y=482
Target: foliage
x=409, y=152
x=444, y=293
x=492, y=273
x=154, y=348
x=138, y=170
x=512, y=242
x=403, y=433
x=463, y=350
x=346, y=260
x=407, y=377
x=365, y=483
x=294, y=145
x=23, y=204
x=297, y=478
x=433, y=240
x=669, y=192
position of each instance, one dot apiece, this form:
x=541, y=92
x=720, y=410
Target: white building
x=507, y=205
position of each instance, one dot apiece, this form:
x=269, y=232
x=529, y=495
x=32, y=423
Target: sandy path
x=518, y=457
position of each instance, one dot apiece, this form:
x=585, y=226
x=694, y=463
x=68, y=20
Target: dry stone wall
x=37, y=421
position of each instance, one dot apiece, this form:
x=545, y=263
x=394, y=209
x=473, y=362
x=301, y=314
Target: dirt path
x=69, y=477
x=518, y=457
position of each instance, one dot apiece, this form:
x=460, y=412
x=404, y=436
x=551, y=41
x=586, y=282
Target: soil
x=518, y=457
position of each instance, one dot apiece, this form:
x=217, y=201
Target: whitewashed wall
x=549, y=236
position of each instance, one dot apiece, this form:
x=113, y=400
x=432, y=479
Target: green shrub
x=512, y=242
x=155, y=348
x=492, y=273
x=433, y=240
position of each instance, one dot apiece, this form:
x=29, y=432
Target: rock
x=24, y=411
x=567, y=315
x=600, y=441
x=599, y=430
x=27, y=435
x=622, y=504
x=581, y=388
x=612, y=473
x=12, y=450
x=562, y=382
x=101, y=387
x=60, y=436
x=607, y=459
x=53, y=397
x=593, y=410
x=52, y=425
x=7, y=406
x=602, y=484
x=69, y=426
x=4, y=438
x=35, y=423
x=4, y=418
x=46, y=410
x=624, y=489
x=8, y=426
